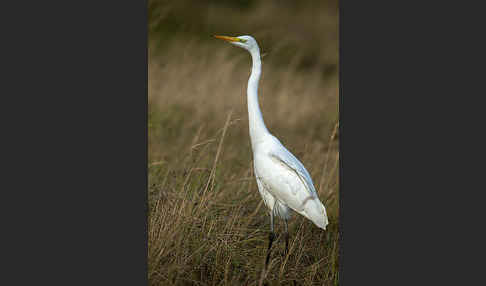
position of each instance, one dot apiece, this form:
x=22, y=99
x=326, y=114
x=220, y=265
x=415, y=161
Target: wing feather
x=284, y=157
x=289, y=183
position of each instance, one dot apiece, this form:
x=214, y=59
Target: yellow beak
x=229, y=39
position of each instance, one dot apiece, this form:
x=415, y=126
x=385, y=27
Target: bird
x=283, y=182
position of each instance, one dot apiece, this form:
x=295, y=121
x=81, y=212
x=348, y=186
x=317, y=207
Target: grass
x=207, y=222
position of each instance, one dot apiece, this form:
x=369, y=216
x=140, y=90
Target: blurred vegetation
x=284, y=29
x=207, y=224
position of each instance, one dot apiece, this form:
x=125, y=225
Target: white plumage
x=283, y=181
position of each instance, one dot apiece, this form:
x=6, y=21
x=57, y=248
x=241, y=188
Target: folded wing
x=293, y=186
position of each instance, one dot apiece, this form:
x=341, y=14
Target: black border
x=76, y=146
x=404, y=73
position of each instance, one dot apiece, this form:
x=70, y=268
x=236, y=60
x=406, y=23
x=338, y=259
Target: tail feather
x=316, y=212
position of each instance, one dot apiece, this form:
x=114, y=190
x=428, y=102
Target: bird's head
x=246, y=42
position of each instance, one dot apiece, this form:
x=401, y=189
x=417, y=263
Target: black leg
x=271, y=237
x=286, y=237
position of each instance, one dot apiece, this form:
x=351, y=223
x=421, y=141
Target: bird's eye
x=243, y=40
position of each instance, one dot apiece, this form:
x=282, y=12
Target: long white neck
x=257, y=127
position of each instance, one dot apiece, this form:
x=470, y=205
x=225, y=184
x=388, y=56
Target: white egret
x=283, y=181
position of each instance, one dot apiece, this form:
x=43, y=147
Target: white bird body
x=283, y=181
x=285, y=184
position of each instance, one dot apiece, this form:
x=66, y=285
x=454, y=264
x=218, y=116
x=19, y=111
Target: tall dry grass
x=207, y=222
